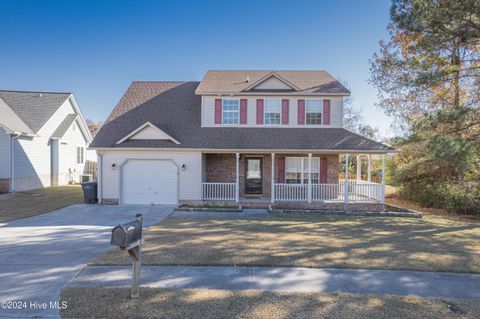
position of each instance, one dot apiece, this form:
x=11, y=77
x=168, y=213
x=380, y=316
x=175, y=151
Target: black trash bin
x=90, y=192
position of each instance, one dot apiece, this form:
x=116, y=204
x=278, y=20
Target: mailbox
x=127, y=234
x=129, y=237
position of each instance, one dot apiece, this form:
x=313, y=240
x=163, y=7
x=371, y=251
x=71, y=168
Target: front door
x=253, y=178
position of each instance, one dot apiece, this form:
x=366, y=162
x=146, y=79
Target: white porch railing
x=219, y=191
x=321, y=192
x=291, y=192
x=357, y=191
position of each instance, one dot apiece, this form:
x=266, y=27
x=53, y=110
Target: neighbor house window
x=313, y=112
x=272, y=111
x=230, y=111
x=80, y=155
x=296, y=170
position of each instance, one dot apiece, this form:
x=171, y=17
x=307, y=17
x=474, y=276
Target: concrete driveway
x=40, y=255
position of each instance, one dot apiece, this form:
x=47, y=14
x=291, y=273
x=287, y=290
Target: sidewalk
x=377, y=282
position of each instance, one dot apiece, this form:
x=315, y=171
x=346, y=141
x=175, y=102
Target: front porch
x=308, y=180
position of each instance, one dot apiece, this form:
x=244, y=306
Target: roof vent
x=40, y=95
x=248, y=79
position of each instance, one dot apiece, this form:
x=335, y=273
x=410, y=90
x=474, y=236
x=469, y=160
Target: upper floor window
x=296, y=170
x=313, y=112
x=80, y=155
x=273, y=111
x=230, y=111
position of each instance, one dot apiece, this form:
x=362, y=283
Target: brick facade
x=220, y=168
x=4, y=185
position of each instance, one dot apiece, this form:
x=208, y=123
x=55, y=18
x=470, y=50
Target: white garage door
x=149, y=182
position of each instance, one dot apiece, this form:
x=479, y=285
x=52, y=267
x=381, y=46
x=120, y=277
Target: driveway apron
x=40, y=255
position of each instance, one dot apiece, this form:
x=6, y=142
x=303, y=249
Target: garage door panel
x=149, y=182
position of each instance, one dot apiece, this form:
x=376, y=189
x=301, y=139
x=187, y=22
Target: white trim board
x=161, y=135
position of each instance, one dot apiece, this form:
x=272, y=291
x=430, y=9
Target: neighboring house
x=43, y=140
x=236, y=136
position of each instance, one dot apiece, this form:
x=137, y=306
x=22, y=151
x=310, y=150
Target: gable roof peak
x=299, y=82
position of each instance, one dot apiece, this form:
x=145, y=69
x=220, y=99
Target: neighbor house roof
x=63, y=127
x=175, y=109
x=10, y=121
x=309, y=82
x=33, y=108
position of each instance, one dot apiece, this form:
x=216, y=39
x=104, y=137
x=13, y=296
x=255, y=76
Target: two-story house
x=237, y=136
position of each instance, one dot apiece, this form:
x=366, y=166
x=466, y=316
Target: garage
x=149, y=182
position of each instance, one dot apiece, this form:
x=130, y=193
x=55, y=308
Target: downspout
x=14, y=136
x=99, y=177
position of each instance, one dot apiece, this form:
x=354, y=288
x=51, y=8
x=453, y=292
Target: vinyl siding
x=190, y=179
x=68, y=154
x=336, y=110
x=33, y=154
x=4, y=154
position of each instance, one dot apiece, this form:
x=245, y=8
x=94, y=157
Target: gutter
x=205, y=150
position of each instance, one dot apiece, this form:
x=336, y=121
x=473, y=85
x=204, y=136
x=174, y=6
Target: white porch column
x=345, y=195
x=309, y=191
x=359, y=168
x=237, y=178
x=272, y=187
x=369, y=168
x=383, y=178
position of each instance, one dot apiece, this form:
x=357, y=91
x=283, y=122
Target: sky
x=95, y=49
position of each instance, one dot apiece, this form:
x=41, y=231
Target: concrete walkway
x=40, y=255
x=378, y=282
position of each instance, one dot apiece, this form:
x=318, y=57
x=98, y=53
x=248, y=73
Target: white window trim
x=303, y=170
x=264, y=111
x=321, y=112
x=83, y=154
x=238, y=123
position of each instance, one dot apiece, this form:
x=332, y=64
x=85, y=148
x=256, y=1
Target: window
x=80, y=155
x=313, y=112
x=296, y=170
x=272, y=111
x=230, y=111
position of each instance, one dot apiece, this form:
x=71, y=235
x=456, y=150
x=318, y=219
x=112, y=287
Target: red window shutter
x=301, y=112
x=218, y=111
x=285, y=112
x=326, y=112
x=243, y=111
x=259, y=111
x=323, y=170
x=281, y=169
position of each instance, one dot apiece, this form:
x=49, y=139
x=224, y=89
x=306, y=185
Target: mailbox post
x=129, y=237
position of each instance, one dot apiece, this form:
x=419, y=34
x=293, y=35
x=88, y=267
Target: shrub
x=460, y=198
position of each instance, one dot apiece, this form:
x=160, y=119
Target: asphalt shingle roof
x=63, y=127
x=33, y=108
x=175, y=108
x=235, y=81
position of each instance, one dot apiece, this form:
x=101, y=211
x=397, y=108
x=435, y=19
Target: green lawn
x=38, y=201
x=219, y=304
x=431, y=243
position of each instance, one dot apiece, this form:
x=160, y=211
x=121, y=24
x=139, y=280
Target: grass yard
x=38, y=201
x=432, y=243
x=218, y=304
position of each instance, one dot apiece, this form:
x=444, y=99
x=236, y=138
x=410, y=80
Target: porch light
x=184, y=167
